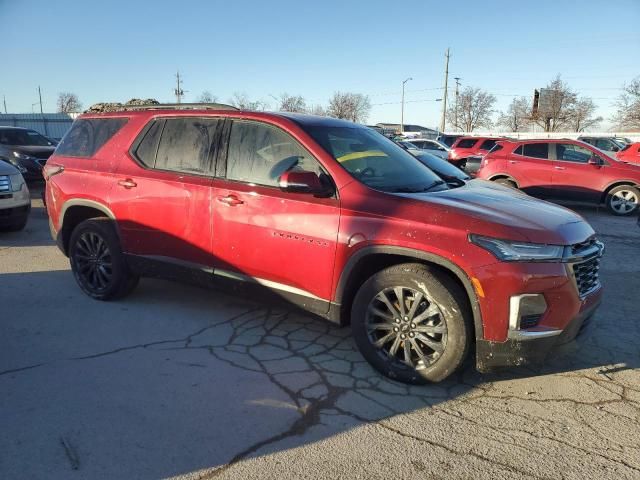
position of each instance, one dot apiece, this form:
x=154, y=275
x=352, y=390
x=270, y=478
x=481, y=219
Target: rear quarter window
x=466, y=143
x=87, y=135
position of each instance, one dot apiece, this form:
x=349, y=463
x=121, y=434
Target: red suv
x=630, y=153
x=564, y=169
x=465, y=147
x=330, y=216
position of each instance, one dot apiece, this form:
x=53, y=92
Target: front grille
x=585, y=262
x=5, y=184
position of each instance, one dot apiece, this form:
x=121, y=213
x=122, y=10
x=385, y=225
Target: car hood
x=38, y=152
x=506, y=213
x=7, y=169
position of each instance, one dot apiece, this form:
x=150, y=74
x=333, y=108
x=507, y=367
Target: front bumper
x=14, y=215
x=515, y=352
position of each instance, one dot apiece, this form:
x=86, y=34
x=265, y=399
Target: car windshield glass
x=375, y=160
x=23, y=138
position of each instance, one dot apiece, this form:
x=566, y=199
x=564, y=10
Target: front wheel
x=506, y=182
x=97, y=261
x=412, y=323
x=623, y=200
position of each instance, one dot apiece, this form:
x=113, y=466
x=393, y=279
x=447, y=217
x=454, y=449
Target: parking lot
x=179, y=381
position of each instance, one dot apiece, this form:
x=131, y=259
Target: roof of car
x=7, y=127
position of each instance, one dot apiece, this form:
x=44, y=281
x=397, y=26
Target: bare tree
x=242, y=101
x=207, y=97
x=558, y=107
x=475, y=108
x=517, y=117
x=350, y=106
x=582, y=115
x=628, y=104
x=68, y=103
x=318, y=110
x=292, y=103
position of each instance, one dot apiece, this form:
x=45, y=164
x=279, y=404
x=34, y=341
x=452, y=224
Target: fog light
x=526, y=311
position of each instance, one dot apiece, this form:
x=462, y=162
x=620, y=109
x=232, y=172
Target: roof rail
x=180, y=106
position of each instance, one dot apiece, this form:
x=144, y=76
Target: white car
x=15, y=201
x=432, y=146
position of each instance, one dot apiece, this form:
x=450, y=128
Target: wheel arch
x=370, y=260
x=617, y=183
x=74, y=212
x=498, y=176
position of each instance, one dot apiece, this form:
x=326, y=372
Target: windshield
x=441, y=167
x=23, y=138
x=375, y=160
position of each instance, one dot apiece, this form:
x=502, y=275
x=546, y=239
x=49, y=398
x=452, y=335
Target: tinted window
x=605, y=144
x=17, y=137
x=572, y=153
x=497, y=147
x=88, y=135
x=260, y=153
x=536, y=150
x=466, y=143
x=187, y=145
x=487, y=145
x=148, y=147
x=518, y=151
x=373, y=159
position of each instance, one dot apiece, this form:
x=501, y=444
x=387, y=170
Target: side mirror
x=594, y=160
x=615, y=149
x=301, y=182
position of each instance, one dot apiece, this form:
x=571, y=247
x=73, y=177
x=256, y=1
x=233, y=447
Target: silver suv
x=15, y=201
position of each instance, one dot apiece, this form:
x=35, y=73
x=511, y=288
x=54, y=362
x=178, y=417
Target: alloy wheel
x=93, y=261
x=624, y=201
x=406, y=326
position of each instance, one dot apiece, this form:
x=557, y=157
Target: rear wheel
x=97, y=261
x=412, y=323
x=506, y=182
x=623, y=200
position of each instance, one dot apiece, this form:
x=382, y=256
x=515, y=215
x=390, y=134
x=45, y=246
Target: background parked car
x=606, y=144
x=630, y=153
x=433, y=146
x=15, y=201
x=449, y=173
x=466, y=147
x=25, y=149
x=565, y=169
x=447, y=139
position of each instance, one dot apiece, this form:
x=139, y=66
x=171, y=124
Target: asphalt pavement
x=180, y=381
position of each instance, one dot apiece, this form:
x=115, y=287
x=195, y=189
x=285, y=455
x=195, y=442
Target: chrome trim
x=514, y=322
x=267, y=283
x=595, y=251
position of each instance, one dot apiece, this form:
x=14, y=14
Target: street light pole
x=444, y=97
x=402, y=109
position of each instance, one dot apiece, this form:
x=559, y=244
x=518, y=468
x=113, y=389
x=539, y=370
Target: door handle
x=512, y=161
x=230, y=200
x=128, y=183
x=559, y=168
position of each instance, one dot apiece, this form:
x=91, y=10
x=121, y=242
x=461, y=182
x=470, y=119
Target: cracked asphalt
x=182, y=382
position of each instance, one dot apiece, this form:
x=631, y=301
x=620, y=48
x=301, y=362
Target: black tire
x=438, y=293
x=18, y=226
x=97, y=261
x=623, y=200
x=506, y=182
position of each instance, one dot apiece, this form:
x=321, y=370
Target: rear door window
x=536, y=150
x=147, y=149
x=187, y=145
x=259, y=153
x=487, y=145
x=466, y=143
x=87, y=135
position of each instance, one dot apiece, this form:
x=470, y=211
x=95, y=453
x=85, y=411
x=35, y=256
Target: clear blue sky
x=115, y=50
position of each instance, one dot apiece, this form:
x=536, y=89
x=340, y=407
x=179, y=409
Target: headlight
x=514, y=251
x=17, y=181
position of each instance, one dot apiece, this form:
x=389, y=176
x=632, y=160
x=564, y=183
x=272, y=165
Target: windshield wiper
x=419, y=189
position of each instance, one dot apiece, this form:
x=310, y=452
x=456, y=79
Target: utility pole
x=4, y=100
x=444, y=98
x=402, y=108
x=457, y=79
x=178, y=90
x=40, y=95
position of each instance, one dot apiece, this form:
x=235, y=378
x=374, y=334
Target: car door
x=531, y=168
x=163, y=191
x=286, y=241
x=574, y=178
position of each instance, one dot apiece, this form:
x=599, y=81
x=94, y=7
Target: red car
x=331, y=217
x=564, y=169
x=630, y=153
x=465, y=147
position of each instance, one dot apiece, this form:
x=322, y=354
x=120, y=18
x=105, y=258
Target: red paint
x=630, y=154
